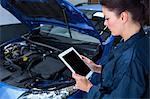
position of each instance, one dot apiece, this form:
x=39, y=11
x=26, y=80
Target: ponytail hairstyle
x=138, y=8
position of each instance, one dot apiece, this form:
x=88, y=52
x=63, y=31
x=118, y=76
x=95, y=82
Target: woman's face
x=112, y=21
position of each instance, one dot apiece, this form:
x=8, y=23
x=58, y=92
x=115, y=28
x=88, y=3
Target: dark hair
x=138, y=8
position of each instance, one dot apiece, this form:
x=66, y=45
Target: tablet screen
x=76, y=63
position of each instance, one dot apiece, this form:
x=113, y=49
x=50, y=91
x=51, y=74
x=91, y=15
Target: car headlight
x=47, y=94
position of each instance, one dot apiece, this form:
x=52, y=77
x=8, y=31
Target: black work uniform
x=126, y=73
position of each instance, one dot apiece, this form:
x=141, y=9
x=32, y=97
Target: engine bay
x=25, y=61
x=31, y=62
x=31, y=66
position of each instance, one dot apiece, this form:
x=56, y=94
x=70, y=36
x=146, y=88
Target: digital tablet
x=72, y=59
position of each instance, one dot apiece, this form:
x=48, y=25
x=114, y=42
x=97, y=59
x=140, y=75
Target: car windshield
x=60, y=31
x=88, y=13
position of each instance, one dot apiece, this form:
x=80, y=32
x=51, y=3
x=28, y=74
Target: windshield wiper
x=42, y=44
x=53, y=39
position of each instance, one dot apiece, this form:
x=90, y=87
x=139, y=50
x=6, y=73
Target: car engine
x=33, y=66
x=23, y=54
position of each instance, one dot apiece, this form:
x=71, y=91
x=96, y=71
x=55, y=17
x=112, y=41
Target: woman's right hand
x=82, y=82
x=94, y=67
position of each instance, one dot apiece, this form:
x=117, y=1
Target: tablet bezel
x=61, y=55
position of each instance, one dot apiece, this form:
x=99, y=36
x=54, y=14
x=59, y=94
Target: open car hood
x=54, y=12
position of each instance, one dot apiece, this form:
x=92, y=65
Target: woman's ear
x=124, y=16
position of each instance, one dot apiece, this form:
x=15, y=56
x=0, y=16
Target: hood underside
x=54, y=12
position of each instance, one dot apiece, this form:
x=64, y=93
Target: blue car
x=29, y=65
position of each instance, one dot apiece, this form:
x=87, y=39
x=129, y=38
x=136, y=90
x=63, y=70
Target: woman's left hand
x=94, y=67
x=82, y=83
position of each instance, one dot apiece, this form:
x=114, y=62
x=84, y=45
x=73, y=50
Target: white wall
x=6, y=17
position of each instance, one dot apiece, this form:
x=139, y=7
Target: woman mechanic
x=126, y=72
